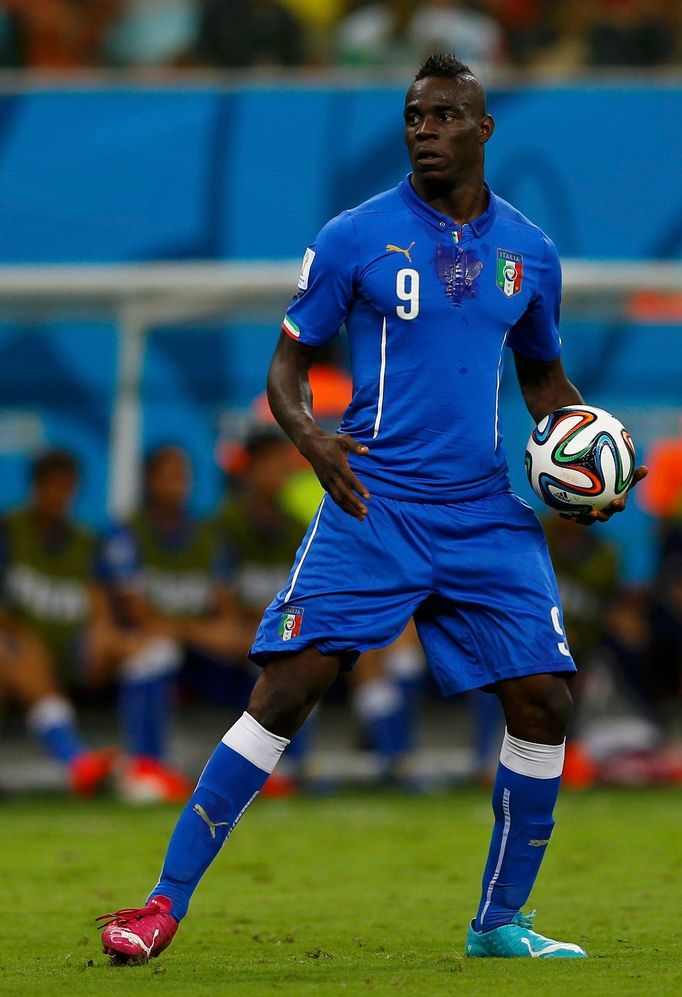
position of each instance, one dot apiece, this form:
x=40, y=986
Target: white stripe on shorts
x=287, y=597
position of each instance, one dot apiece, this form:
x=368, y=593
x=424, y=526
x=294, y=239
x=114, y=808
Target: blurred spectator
x=527, y=25
x=395, y=34
x=586, y=567
x=152, y=33
x=632, y=33
x=318, y=18
x=61, y=34
x=378, y=34
x=662, y=497
x=453, y=26
x=259, y=537
x=12, y=38
x=241, y=33
x=167, y=582
x=53, y=618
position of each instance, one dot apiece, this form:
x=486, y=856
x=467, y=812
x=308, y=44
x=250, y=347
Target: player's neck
x=461, y=200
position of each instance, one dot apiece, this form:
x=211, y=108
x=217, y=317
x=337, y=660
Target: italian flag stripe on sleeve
x=290, y=327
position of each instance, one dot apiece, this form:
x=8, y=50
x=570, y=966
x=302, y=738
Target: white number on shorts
x=556, y=623
x=407, y=289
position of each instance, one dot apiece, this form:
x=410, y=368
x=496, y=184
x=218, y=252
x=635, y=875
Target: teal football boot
x=517, y=940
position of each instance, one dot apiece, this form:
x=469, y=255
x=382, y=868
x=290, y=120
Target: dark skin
x=446, y=129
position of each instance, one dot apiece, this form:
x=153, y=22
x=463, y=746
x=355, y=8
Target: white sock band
x=160, y=656
x=405, y=663
x=50, y=711
x=539, y=761
x=376, y=698
x=255, y=743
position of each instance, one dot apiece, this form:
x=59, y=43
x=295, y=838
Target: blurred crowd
x=159, y=611
x=388, y=35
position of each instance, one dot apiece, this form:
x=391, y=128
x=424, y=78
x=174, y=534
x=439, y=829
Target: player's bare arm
x=545, y=388
x=544, y=385
x=291, y=401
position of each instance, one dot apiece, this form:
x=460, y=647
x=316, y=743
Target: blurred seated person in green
x=54, y=620
x=662, y=499
x=167, y=581
x=601, y=619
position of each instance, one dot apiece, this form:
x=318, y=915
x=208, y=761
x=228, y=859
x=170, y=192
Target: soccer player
x=433, y=279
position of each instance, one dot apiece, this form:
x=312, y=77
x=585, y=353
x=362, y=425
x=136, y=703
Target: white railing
x=140, y=297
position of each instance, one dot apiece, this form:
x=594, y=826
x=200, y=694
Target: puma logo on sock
x=198, y=809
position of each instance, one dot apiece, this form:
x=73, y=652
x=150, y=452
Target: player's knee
x=287, y=691
x=558, y=707
x=541, y=711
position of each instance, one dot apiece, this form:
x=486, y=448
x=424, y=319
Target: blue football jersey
x=429, y=307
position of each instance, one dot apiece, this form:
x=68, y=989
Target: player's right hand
x=328, y=458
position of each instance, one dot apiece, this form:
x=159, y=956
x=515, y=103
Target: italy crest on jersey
x=290, y=623
x=509, y=272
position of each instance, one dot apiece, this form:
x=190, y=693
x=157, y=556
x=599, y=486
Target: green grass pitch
x=354, y=894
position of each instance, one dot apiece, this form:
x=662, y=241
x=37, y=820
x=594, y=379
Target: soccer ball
x=579, y=459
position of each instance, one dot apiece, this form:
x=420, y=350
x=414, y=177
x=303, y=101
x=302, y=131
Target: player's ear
x=486, y=128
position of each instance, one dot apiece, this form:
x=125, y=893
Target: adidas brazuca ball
x=579, y=459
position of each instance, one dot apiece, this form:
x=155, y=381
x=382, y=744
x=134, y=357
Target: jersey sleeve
x=536, y=334
x=326, y=285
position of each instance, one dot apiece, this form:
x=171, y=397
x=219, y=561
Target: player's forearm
x=290, y=395
x=545, y=399
x=544, y=386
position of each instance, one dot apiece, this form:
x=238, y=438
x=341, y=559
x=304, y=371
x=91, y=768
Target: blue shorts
x=475, y=575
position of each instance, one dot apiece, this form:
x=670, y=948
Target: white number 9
x=407, y=289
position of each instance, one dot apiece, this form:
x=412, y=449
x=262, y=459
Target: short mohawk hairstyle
x=442, y=64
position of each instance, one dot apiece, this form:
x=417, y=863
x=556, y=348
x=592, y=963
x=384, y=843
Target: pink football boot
x=137, y=934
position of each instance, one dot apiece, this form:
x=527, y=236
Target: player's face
x=53, y=494
x=269, y=471
x=169, y=481
x=445, y=129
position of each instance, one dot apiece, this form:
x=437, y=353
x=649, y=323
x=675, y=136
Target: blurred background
x=163, y=165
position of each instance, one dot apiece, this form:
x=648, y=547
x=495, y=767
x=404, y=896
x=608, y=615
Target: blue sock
x=145, y=696
x=144, y=710
x=52, y=722
x=228, y=784
x=523, y=802
x=488, y=726
x=299, y=748
x=385, y=717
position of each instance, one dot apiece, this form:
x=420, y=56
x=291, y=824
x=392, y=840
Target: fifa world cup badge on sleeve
x=509, y=272
x=290, y=623
x=304, y=276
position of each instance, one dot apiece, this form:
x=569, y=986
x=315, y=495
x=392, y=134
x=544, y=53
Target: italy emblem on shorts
x=290, y=623
x=509, y=272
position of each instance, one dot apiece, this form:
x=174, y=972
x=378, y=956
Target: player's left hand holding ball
x=580, y=460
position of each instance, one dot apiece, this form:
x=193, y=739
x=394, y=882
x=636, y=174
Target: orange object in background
x=332, y=390
x=661, y=492
x=63, y=34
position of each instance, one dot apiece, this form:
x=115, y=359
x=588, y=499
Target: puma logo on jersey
x=396, y=249
x=199, y=810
